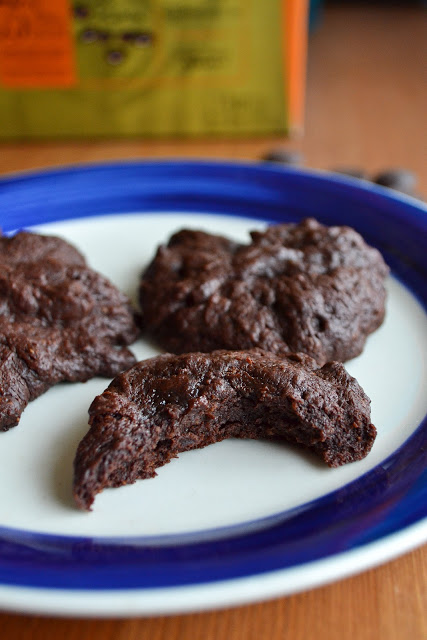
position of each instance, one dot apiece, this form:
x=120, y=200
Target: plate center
x=225, y=484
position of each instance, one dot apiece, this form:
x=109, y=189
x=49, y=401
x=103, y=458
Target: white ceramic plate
x=239, y=520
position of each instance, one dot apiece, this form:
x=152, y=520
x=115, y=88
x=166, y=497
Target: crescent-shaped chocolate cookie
x=59, y=321
x=169, y=404
x=296, y=288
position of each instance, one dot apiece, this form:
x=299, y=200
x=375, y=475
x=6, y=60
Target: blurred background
x=329, y=84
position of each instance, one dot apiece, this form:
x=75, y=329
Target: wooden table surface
x=366, y=104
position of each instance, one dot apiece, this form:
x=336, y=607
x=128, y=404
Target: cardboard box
x=151, y=67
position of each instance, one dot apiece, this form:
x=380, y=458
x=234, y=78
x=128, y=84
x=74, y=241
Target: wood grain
x=379, y=604
x=366, y=103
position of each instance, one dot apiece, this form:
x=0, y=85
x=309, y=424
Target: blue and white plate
x=241, y=520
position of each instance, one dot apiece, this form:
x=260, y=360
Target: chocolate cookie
x=59, y=321
x=170, y=404
x=296, y=288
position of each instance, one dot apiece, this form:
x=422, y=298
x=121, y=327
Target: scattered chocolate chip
x=399, y=179
x=284, y=156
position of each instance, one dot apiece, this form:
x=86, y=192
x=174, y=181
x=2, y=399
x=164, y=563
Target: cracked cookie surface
x=59, y=321
x=174, y=403
x=296, y=288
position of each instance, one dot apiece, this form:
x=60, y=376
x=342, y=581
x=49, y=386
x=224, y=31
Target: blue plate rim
x=58, y=562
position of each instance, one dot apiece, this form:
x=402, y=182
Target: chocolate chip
x=284, y=156
x=399, y=179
